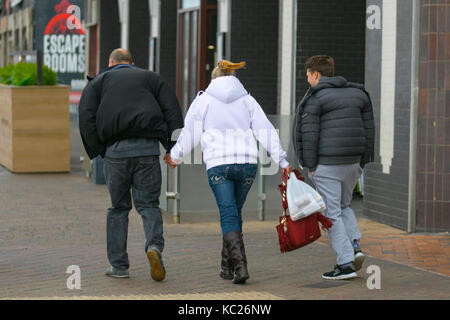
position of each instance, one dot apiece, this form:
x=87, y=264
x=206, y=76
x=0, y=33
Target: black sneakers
x=117, y=273
x=340, y=273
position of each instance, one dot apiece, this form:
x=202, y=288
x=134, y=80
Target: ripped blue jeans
x=231, y=184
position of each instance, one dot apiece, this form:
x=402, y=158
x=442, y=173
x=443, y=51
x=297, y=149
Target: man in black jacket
x=124, y=113
x=334, y=136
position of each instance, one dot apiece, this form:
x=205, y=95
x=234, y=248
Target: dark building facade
x=397, y=48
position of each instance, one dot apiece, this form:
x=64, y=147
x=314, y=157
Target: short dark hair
x=322, y=63
x=121, y=55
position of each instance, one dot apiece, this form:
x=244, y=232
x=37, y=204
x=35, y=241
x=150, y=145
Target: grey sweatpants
x=335, y=184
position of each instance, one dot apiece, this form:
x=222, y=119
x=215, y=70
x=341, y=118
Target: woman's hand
x=288, y=169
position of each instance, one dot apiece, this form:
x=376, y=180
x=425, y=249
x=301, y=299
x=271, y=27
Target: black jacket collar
x=117, y=66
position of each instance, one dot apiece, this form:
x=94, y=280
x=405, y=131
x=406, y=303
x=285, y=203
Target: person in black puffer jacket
x=125, y=112
x=333, y=136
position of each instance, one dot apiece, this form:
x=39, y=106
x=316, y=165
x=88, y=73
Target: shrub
x=25, y=74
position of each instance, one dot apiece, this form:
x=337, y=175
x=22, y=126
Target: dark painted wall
x=168, y=44
x=109, y=30
x=254, y=39
x=139, y=32
x=335, y=28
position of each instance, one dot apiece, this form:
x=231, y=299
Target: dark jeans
x=231, y=184
x=141, y=175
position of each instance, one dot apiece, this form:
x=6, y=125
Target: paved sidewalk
x=429, y=252
x=52, y=221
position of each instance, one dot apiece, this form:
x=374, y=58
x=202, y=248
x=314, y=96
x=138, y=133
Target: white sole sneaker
x=116, y=276
x=341, y=277
x=359, y=260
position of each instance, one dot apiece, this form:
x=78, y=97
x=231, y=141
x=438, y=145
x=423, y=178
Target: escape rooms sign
x=61, y=39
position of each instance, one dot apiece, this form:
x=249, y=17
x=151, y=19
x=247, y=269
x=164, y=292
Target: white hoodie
x=226, y=119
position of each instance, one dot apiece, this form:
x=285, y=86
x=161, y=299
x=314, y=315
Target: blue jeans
x=231, y=184
x=141, y=175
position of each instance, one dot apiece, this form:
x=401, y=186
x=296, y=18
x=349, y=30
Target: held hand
x=172, y=164
x=167, y=158
x=169, y=161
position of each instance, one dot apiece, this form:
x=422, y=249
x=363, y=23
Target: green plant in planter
x=25, y=74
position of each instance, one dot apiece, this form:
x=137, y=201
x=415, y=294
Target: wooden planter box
x=35, y=128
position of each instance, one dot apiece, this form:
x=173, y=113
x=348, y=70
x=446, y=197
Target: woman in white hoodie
x=226, y=119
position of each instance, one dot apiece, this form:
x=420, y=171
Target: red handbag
x=296, y=234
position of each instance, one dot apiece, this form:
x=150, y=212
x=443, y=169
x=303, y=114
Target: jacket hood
x=330, y=82
x=226, y=89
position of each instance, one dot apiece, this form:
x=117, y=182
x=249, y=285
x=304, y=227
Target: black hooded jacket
x=127, y=102
x=334, y=125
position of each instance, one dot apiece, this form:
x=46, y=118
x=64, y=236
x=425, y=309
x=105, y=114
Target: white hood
x=226, y=89
x=226, y=120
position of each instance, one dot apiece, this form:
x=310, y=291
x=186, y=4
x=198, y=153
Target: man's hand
x=169, y=161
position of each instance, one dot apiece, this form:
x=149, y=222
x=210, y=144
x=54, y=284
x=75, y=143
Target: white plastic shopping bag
x=302, y=199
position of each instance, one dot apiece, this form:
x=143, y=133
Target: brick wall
x=433, y=164
x=335, y=28
x=386, y=194
x=254, y=38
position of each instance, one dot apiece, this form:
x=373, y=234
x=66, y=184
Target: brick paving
x=51, y=221
x=423, y=251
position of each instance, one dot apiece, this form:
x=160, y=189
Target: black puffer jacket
x=334, y=125
x=127, y=102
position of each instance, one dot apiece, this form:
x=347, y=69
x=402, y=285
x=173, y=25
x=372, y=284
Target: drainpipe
x=412, y=188
x=155, y=21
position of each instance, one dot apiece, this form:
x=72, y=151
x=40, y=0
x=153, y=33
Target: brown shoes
x=158, y=272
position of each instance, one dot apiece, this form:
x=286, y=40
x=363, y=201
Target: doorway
x=196, y=47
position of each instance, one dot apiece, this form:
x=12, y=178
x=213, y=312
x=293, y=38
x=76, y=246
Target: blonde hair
x=226, y=68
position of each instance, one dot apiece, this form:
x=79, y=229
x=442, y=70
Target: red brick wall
x=433, y=180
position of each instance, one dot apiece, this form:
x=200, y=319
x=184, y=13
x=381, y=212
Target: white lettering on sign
x=64, y=53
